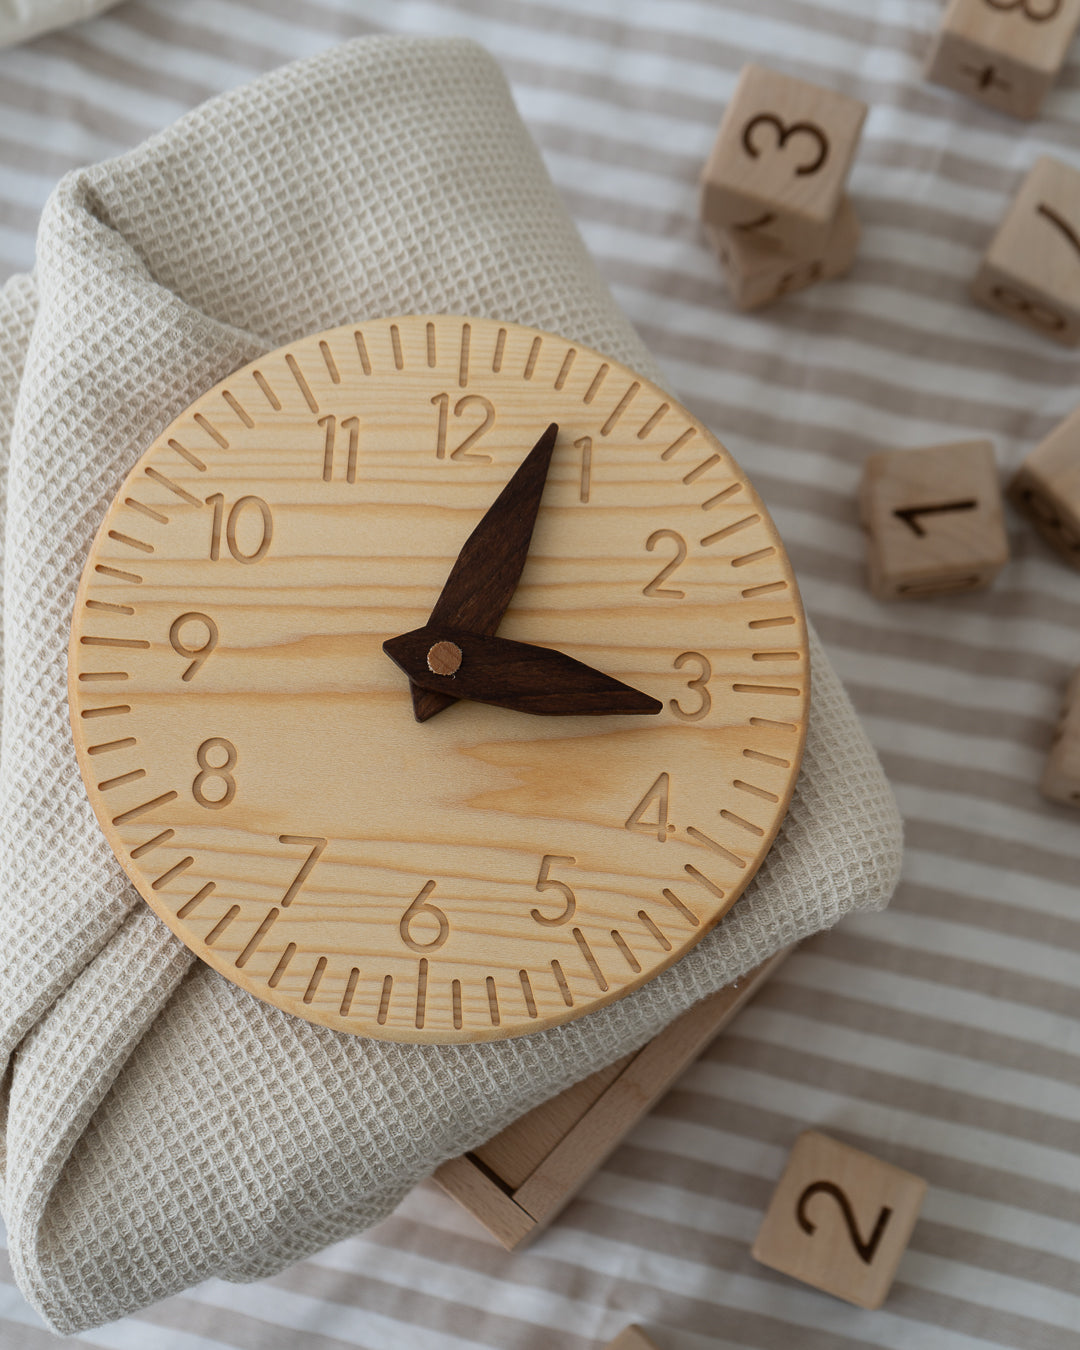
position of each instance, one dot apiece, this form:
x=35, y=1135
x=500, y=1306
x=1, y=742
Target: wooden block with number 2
x=840, y=1220
x=1005, y=53
x=1031, y=271
x=780, y=162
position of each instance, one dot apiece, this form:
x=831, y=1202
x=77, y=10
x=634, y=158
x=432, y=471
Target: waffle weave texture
x=160, y=1125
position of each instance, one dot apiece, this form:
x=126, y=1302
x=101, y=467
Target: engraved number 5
x=545, y=882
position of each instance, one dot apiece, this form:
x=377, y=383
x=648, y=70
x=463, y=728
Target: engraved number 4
x=656, y=799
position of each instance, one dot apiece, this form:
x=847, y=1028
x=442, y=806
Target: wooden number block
x=1031, y=271
x=1061, y=779
x=1046, y=489
x=934, y=520
x=633, y=1338
x=840, y=1220
x=516, y=1183
x=1005, y=53
x=780, y=162
x=758, y=273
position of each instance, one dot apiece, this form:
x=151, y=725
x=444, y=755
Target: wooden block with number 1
x=1005, y=53
x=934, y=520
x=840, y=1220
x=781, y=159
x=1031, y=271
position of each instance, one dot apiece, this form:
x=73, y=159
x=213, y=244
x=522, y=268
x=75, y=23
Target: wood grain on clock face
x=251, y=751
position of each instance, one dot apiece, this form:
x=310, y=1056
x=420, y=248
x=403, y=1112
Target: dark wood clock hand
x=511, y=674
x=485, y=575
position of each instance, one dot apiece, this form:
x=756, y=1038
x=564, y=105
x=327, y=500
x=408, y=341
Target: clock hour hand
x=516, y=675
x=485, y=575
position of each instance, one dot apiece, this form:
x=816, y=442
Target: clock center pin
x=444, y=658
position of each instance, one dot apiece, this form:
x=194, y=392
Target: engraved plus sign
x=987, y=77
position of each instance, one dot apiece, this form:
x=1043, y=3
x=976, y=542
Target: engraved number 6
x=420, y=907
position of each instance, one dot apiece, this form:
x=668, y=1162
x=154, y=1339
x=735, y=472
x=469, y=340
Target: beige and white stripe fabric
x=943, y=1035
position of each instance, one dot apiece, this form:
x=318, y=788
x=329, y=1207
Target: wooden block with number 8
x=759, y=274
x=1031, y=271
x=934, y=520
x=1061, y=778
x=1005, y=53
x=780, y=162
x=1046, y=489
x=840, y=1220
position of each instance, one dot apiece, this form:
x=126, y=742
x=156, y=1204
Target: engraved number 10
x=217, y=501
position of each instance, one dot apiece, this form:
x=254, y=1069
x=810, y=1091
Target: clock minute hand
x=516, y=675
x=486, y=572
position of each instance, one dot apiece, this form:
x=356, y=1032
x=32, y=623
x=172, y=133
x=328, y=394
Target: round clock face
x=251, y=751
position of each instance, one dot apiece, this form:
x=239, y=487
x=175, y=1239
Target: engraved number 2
x=865, y=1247
x=813, y=133
x=653, y=587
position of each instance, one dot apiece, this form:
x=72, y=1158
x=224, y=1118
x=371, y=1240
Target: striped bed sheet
x=943, y=1035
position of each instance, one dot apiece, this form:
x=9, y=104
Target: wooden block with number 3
x=934, y=520
x=759, y=274
x=840, y=1220
x=780, y=162
x=1031, y=271
x=1005, y=53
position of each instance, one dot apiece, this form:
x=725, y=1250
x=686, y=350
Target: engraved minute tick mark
x=704, y=467
x=728, y=530
x=678, y=443
x=654, y=421
x=620, y=408
x=301, y=382
x=597, y=381
x=238, y=408
x=527, y=992
x=362, y=352
x=156, y=476
x=201, y=420
x=185, y=454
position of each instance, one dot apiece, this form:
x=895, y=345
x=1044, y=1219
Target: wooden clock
x=438, y=679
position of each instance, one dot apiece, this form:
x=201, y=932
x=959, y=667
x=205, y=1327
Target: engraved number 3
x=783, y=135
x=865, y=1247
x=698, y=685
x=1024, y=6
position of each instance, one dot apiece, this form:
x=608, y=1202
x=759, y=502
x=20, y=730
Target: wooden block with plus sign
x=1046, y=489
x=633, y=1338
x=1061, y=778
x=1005, y=53
x=759, y=273
x=934, y=519
x=1031, y=271
x=840, y=1220
x=781, y=159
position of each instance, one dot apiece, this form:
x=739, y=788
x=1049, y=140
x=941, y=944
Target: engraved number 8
x=208, y=771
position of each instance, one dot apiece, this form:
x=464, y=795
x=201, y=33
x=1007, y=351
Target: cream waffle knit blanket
x=159, y=1124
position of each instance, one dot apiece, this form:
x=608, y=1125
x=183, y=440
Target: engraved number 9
x=196, y=655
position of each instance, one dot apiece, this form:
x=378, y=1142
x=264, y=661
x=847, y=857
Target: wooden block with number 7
x=1031, y=271
x=840, y=1220
x=1005, y=53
